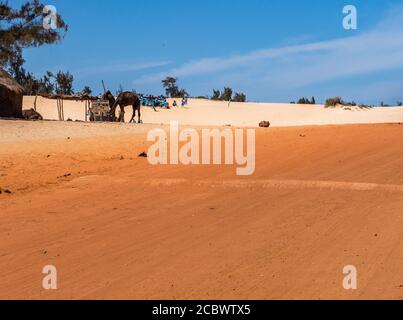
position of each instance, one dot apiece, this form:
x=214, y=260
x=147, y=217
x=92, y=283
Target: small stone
x=264, y=124
x=6, y=191
x=143, y=155
x=65, y=176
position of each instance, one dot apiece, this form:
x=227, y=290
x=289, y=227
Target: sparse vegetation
x=333, y=102
x=172, y=90
x=228, y=95
x=384, y=105
x=86, y=91
x=306, y=101
x=239, y=97
x=23, y=28
x=364, y=106
x=61, y=83
x=64, y=83
x=216, y=95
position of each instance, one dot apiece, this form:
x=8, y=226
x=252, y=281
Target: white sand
x=211, y=113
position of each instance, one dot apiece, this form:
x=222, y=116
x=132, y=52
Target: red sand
x=116, y=227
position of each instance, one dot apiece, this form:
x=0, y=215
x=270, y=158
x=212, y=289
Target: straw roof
x=6, y=81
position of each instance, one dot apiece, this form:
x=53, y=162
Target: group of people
x=152, y=101
x=184, y=102
x=160, y=101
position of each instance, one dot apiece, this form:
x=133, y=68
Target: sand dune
x=212, y=113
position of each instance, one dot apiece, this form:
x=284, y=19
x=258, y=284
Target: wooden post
x=62, y=109
x=58, y=109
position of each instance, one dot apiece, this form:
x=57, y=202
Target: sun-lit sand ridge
x=212, y=113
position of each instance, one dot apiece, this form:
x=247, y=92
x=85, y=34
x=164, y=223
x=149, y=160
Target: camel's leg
x=133, y=116
x=122, y=114
x=139, y=113
x=113, y=114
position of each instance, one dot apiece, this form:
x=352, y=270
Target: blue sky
x=273, y=50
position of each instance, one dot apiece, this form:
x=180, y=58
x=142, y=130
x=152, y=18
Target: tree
x=45, y=84
x=31, y=85
x=171, y=88
x=303, y=101
x=313, y=100
x=86, y=91
x=306, y=101
x=24, y=78
x=64, y=83
x=239, y=97
x=216, y=95
x=183, y=94
x=23, y=28
x=227, y=94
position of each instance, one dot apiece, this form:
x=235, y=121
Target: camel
x=31, y=114
x=124, y=99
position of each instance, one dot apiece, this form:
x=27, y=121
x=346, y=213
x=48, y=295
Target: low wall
x=74, y=110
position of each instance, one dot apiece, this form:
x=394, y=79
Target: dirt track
x=116, y=227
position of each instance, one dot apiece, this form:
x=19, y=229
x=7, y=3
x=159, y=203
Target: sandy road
x=116, y=227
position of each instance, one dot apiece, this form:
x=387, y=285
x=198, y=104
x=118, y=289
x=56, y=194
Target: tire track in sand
x=279, y=184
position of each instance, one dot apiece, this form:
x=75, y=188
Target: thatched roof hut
x=11, y=94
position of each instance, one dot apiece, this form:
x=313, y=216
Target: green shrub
x=239, y=97
x=333, y=102
x=306, y=101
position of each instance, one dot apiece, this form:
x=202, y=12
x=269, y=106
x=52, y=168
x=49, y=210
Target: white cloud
x=120, y=67
x=300, y=65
